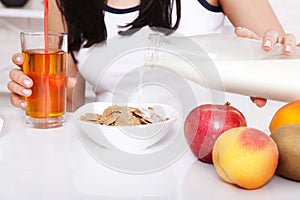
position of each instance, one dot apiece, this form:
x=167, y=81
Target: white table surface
x=53, y=164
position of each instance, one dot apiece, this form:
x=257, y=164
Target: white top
x=114, y=73
x=198, y=17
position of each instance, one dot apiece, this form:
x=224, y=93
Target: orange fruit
x=287, y=114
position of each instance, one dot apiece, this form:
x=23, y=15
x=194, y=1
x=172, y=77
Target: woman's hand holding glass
x=20, y=84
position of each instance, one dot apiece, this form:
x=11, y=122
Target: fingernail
x=288, y=48
x=26, y=92
x=268, y=43
x=238, y=28
x=18, y=59
x=23, y=104
x=27, y=83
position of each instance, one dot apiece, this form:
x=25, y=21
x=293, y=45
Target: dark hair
x=85, y=19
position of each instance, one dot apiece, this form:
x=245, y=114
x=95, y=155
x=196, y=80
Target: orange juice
x=47, y=70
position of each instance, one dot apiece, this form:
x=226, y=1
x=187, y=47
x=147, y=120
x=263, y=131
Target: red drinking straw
x=47, y=59
x=46, y=8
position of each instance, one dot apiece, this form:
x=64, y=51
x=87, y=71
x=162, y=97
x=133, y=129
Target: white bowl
x=132, y=139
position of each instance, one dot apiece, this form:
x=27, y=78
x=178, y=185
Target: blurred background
x=30, y=16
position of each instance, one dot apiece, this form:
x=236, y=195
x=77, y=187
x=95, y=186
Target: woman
x=97, y=21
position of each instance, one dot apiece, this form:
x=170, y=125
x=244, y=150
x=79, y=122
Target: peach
x=246, y=157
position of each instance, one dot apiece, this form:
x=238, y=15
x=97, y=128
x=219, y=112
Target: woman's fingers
x=260, y=102
x=271, y=37
x=18, y=101
x=246, y=33
x=19, y=86
x=289, y=44
x=18, y=59
x=20, y=78
x=18, y=89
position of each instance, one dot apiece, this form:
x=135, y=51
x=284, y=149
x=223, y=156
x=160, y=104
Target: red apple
x=205, y=123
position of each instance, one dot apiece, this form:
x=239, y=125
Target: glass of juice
x=45, y=62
